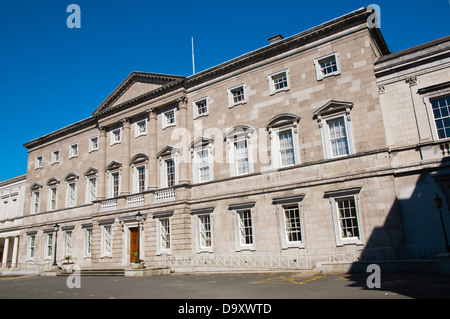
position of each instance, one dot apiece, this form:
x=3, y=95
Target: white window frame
x=106, y=234
x=164, y=121
x=38, y=162
x=198, y=215
x=73, y=150
x=272, y=85
x=317, y=63
x=50, y=193
x=136, y=176
x=163, y=170
x=92, y=147
x=68, y=240
x=35, y=201
x=87, y=242
x=282, y=204
x=342, y=195
x=111, y=183
x=56, y=155
x=31, y=251
x=197, y=165
x=195, y=107
x=325, y=132
x=137, y=131
x=116, y=138
x=238, y=211
x=428, y=98
x=89, y=180
x=233, y=137
x=49, y=243
x=71, y=199
x=231, y=102
x=277, y=161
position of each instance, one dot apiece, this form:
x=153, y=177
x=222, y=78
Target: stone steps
x=97, y=272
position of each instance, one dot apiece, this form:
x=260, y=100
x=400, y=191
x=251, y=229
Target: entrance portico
x=9, y=242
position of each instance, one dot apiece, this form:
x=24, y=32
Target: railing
x=135, y=200
x=240, y=260
x=109, y=204
x=164, y=195
x=373, y=254
x=424, y=251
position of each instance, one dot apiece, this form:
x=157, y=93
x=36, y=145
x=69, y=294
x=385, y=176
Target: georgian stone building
x=282, y=157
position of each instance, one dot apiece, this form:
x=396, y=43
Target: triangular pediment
x=113, y=165
x=167, y=151
x=333, y=106
x=135, y=85
x=201, y=142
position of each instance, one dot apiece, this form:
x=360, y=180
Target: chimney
x=275, y=38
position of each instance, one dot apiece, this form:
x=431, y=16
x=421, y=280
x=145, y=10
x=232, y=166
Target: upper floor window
x=73, y=150
x=52, y=184
x=91, y=184
x=38, y=162
x=55, y=157
x=237, y=95
x=335, y=127
x=93, y=144
x=116, y=136
x=441, y=112
x=169, y=118
x=327, y=65
x=200, y=107
x=140, y=128
x=279, y=81
x=114, y=179
x=168, y=158
x=202, y=164
x=240, y=153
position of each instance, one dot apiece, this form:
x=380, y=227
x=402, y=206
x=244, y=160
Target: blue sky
x=52, y=76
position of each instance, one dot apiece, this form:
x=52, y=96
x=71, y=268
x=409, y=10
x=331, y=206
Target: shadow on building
x=419, y=258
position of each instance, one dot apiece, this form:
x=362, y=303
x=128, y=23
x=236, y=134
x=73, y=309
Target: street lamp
x=55, y=228
x=438, y=203
x=138, y=219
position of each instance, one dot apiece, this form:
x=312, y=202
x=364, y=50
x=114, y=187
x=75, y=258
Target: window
x=38, y=163
x=114, y=184
x=88, y=242
x=245, y=227
x=327, y=65
x=71, y=194
x=31, y=246
x=93, y=144
x=279, y=81
x=52, y=198
x=116, y=136
x=203, y=229
x=336, y=130
x=140, y=178
x=55, y=157
x=347, y=225
x=92, y=189
x=106, y=240
x=169, y=118
x=35, y=202
x=140, y=128
x=237, y=95
x=244, y=230
x=165, y=234
x=49, y=246
x=68, y=243
x=202, y=163
x=286, y=143
x=73, y=151
x=170, y=172
x=168, y=160
x=290, y=218
x=200, y=107
x=240, y=153
x=441, y=112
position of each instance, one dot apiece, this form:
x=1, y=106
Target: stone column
x=153, y=144
x=126, y=178
x=15, y=251
x=184, y=156
x=5, y=252
x=101, y=179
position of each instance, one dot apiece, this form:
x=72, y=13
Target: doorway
x=133, y=243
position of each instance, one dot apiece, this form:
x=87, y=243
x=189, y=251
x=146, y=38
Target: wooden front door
x=133, y=244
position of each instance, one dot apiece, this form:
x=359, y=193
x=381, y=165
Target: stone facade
x=284, y=157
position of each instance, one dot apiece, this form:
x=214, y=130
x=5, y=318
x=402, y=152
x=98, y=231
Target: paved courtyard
x=225, y=287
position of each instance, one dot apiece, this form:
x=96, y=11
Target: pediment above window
x=239, y=131
x=283, y=119
x=53, y=181
x=36, y=187
x=333, y=107
x=201, y=142
x=139, y=158
x=91, y=171
x=113, y=165
x=167, y=151
x=71, y=177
